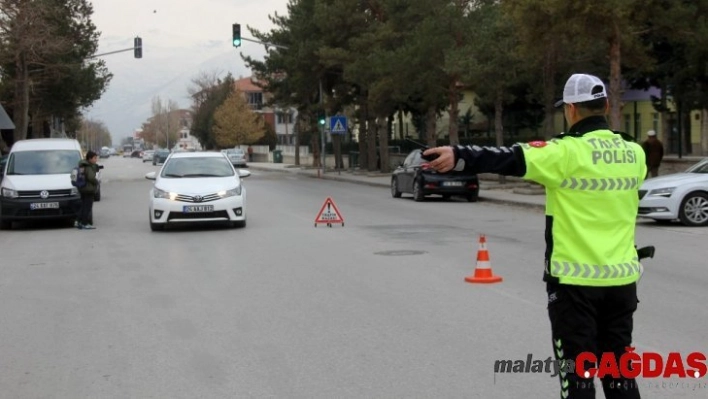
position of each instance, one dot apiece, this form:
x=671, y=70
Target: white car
x=236, y=156
x=682, y=196
x=197, y=187
x=147, y=155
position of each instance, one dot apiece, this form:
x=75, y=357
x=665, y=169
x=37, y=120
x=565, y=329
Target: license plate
x=452, y=184
x=198, y=208
x=44, y=205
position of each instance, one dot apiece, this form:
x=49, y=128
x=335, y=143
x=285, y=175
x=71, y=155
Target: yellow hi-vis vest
x=592, y=183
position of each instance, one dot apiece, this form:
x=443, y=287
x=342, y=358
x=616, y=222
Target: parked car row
x=678, y=196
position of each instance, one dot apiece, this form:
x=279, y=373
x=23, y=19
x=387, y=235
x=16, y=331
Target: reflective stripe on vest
x=566, y=269
x=617, y=184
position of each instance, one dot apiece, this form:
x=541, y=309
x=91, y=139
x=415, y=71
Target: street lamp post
x=167, y=133
x=322, y=134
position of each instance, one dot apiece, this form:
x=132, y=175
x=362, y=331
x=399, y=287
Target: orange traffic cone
x=483, y=271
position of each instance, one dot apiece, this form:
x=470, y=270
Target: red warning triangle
x=329, y=213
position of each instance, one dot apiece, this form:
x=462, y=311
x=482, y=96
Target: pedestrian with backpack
x=84, y=178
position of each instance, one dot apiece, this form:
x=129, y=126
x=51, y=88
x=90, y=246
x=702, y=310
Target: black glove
x=645, y=252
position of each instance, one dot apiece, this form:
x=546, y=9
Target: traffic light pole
x=322, y=127
x=137, y=49
x=112, y=52
x=263, y=43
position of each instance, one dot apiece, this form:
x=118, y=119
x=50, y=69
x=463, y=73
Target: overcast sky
x=180, y=39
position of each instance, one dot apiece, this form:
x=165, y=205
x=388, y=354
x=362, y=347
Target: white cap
x=651, y=133
x=580, y=87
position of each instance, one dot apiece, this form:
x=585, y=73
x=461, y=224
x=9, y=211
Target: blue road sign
x=338, y=124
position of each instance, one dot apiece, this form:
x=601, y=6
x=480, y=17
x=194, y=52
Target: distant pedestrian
x=88, y=191
x=654, y=151
x=250, y=154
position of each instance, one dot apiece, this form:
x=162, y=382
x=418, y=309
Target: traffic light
x=236, y=35
x=321, y=118
x=138, y=47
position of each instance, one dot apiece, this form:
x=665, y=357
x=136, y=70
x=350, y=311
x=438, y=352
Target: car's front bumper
x=21, y=208
x=229, y=209
x=656, y=207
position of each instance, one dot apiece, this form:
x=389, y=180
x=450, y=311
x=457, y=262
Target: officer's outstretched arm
x=507, y=161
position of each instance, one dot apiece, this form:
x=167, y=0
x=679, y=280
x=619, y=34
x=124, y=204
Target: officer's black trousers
x=592, y=319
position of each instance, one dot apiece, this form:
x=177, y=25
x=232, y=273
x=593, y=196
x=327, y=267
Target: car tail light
x=472, y=186
x=431, y=185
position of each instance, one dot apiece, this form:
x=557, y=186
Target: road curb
x=509, y=202
x=298, y=171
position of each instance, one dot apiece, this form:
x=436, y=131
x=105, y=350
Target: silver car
x=147, y=155
x=682, y=196
x=237, y=157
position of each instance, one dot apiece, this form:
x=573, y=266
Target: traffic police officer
x=592, y=176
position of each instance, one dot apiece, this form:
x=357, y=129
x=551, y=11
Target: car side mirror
x=151, y=176
x=243, y=173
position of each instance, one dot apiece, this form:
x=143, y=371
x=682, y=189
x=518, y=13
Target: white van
x=36, y=182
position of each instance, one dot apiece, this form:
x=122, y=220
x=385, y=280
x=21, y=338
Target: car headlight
x=74, y=191
x=662, y=192
x=157, y=193
x=230, y=193
x=9, y=193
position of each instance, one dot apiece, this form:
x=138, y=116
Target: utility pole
x=167, y=134
x=322, y=133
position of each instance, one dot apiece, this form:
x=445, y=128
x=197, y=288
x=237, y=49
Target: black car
x=160, y=156
x=414, y=176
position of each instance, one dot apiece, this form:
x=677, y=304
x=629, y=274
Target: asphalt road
x=377, y=308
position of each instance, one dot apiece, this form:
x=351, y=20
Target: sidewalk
x=513, y=192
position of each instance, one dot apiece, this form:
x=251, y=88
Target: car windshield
x=234, y=152
x=197, y=167
x=43, y=162
x=701, y=167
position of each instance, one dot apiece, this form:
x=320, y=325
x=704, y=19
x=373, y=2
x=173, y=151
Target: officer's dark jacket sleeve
x=507, y=161
x=543, y=167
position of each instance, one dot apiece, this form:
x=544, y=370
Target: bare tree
x=200, y=86
x=93, y=134
x=164, y=123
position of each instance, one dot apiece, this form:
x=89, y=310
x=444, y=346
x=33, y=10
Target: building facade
x=280, y=119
